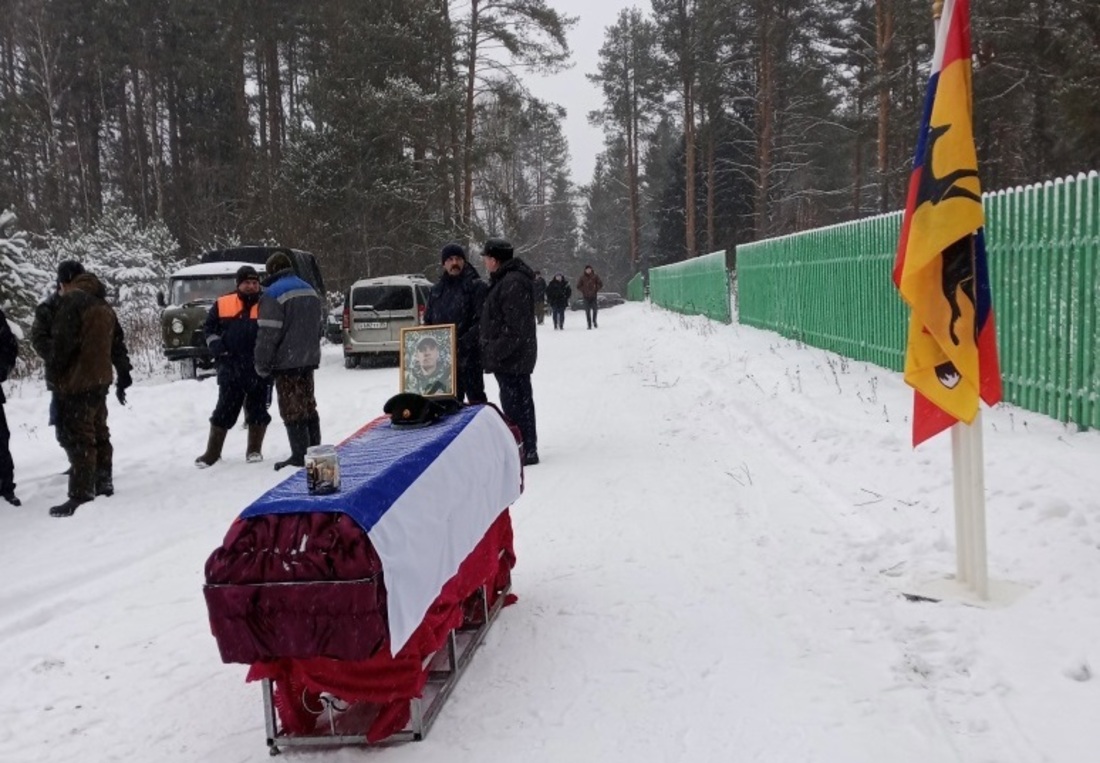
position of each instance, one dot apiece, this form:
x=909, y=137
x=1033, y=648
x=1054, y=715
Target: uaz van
x=191, y=292
x=193, y=289
x=375, y=311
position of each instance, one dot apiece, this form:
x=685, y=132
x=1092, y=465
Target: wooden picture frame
x=429, y=360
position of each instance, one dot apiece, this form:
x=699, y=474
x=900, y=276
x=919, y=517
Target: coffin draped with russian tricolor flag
x=351, y=592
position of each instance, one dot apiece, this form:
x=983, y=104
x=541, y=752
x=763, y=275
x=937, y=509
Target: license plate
x=370, y=325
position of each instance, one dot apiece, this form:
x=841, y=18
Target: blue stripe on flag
x=376, y=468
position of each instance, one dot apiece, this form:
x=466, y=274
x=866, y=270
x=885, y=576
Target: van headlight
x=177, y=326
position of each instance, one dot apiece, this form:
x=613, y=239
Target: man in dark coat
x=230, y=330
x=457, y=298
x=42, y=341
x=79, y=371
x=557, y=294
x=540, y=297
x=509, y=346
x=589, y=285
x=9, y=351
x=288, y=347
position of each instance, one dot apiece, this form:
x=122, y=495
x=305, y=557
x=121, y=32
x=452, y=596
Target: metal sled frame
x=444, y=667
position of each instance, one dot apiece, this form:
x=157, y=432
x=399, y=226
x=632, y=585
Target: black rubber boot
x=298, y=434
x=68, y=508
x=104, y=484
x=314, y=430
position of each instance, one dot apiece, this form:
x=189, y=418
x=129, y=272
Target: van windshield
x=183, y=291
x=382, y=298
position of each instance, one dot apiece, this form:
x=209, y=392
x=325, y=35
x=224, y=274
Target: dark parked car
x=334, y=326
x=603, y=299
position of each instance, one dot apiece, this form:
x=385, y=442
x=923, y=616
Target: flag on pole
x=941, y=269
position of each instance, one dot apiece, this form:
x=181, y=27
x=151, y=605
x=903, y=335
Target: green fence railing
x=831, y=288
x=828, y=287
x=699, y=286
x=635, y=288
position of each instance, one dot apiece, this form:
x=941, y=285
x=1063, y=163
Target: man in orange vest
x=231, y=330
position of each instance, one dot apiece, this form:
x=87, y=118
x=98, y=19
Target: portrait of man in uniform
x=427, y=360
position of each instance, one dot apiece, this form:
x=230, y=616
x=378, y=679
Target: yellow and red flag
x=941, y=268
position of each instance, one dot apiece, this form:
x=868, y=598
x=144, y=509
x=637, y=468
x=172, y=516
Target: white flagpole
x=968, y=473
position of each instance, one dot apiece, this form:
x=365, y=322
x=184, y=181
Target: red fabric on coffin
x=330, y=600
x=392, y=681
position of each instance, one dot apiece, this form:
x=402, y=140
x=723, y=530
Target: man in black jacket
x=557, y=294
x=457, y=298
x=509, y=346
x=230, y=331
x=9, y=350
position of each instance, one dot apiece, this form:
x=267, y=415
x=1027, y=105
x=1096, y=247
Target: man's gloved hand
x=125, y=381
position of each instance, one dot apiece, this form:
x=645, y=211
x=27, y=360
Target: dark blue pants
x=251, y=394
x=518, y=403
x=471, y=383
x=559, y=317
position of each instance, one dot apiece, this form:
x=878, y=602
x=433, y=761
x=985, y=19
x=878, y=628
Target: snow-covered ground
x=710, y=559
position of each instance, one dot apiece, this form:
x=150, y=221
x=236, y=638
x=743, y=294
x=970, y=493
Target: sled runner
x=358, y=611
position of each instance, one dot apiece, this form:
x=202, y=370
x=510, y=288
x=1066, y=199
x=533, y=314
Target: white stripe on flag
x=435, y=524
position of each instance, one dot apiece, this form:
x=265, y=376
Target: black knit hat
x=68, y=270
x=452, y=250
x=246, y=272
x=498, y=248
x=278, y=261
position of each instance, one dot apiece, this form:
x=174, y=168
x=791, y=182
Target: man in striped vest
x=231, y=329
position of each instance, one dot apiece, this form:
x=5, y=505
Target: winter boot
x=213, y=447
x=68, y=508
x=314, y=422
x=256, y=434
x=104, y=484
x=9, y=496
x=298, y=434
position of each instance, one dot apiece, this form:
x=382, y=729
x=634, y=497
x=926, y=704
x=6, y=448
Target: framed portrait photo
x=428, y=360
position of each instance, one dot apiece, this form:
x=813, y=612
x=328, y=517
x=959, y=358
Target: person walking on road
x=509, y=347
x=589, y=285
x=231, y=328
x=558, y=294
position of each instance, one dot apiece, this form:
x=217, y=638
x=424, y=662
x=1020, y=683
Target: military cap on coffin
x=409, y=409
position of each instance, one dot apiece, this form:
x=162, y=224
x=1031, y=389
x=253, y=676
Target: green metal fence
x=635, y=288
x=699, y=286
x=831, y=288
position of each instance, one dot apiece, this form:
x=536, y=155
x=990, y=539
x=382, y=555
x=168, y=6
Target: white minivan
x=375, y=311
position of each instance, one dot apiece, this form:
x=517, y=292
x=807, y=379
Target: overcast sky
x=570, y=88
